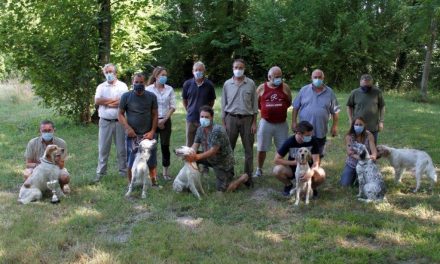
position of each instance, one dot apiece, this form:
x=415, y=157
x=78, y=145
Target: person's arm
x=128, y=129
x=335, y=118
x=373, y=149
x=30, y=163
x=195, y=146
x=279, y=160
x=224, y=103
x=109, y=102
x=287, y=91
x=315, y=158
x=381, y=117
x=350, y=114
x=154, y=117
x=294, y=118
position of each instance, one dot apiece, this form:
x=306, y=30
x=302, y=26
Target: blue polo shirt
x=197, y=96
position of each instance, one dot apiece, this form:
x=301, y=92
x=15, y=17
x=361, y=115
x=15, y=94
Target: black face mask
x=366, y=88
x=138, y=87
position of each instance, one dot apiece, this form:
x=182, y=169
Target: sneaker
x=156, y=186
x=287, y=189
x=258, y=173
x=97, y=178
x=167, y=177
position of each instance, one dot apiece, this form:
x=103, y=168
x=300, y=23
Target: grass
x=96, y=224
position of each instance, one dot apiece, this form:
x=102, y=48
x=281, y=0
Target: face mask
x=138, y=87
x=317, y=82
x=358, y=129
x=198, y=75
x=238, y=73
x=277, y=81
x=163, y=79
x=307, y=139
x=47, y=136
x=110, y=77
x=365, y=88
x=204, y=122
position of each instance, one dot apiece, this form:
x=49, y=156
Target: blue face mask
x=198, y=74
x=358, y=129
x=205, y=122
x=138, y=87
x=307, y=139
x=110, y=77
x=317, y=82
x=277, y=81
x=163, y=79
x=47, y=136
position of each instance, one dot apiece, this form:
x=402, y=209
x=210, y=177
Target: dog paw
x=143, y=196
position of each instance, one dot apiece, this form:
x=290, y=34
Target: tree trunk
x=428, y=58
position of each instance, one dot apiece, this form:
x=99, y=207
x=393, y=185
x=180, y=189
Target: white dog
x=303, y=171
x=417, y=160
x=140, y=172
x=189, y=176
x=33, y=188
x=371, y=184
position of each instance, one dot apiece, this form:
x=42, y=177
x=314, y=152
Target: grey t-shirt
x=138, y=110
x=316, y=108
x=35, y=148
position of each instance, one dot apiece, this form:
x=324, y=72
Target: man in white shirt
x=107, y=97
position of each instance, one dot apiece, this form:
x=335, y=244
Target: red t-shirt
x=273, y=104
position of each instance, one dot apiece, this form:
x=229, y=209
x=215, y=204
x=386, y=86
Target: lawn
x=97, y=224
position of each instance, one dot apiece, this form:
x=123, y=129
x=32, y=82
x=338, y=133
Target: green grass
x=97, y=224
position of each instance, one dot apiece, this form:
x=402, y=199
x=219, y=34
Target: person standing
x=138, y=115
x=315, y=103
x=274, y=98
x=166, y=101
x=367, y=102
x=239, y=113
x=107, y=98
x=196, y=92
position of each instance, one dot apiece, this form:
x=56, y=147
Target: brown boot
x=235, y=184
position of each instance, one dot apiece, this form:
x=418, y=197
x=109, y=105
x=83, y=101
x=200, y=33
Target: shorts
x=267, y=130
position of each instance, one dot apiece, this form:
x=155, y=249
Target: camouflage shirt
x=224, y=158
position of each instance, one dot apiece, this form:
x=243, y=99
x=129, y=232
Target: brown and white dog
x=48, y=170
x=303, y=175
x=412, y=159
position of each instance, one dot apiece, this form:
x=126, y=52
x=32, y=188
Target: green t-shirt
x=367, y=105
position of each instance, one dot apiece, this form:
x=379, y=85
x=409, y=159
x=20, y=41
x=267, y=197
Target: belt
x=238, y=115
x=110, y=120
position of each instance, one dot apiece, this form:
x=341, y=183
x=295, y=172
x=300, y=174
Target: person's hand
x=161, y=123
x=192, y=157
x=305, y=177
x=334, y=131
x=373, y=158
x=294, y=125
x=254, y=128
x=380, y=125
x=149, y=135
x=130, y=132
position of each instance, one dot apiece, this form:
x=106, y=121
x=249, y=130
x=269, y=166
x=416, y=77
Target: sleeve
x=29, y=153
x=381, y=101
x=172, y=100
x=98, y=92
x=212, y=95
x=224, y=101
x=255, y=99
x=297, y=101
x=284, y=149
x=198, y=137
x=185, y=90
x=154, y=102
x=123, y=101
x=123, y=89
x=350, y=101
x=334, y=104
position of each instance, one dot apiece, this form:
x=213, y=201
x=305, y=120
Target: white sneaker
x=258, y=173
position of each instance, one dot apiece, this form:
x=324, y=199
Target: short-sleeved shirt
x=291, y=147
x=107, y=91
x=138, y=110
x=239, y=100
x=367, y=105
x=35, y=148
x=166, y=99
x=224, y=158
x=316, y=108
x=197, y=96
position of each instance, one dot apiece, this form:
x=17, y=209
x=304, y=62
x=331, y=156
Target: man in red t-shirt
x=274, y=98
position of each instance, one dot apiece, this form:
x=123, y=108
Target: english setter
x=47, y=171
x=140, y=170
x=417, y=160
x=303, y=175
x=371, y=184
x=189, y=176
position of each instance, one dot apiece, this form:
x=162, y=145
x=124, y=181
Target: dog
x=189, y=176
x=371, y=184
x=417, y=160
x=303, y=175
x=48, y=170
x=140, y=171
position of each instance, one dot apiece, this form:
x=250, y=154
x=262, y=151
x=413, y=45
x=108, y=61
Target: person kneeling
x=284, y=170
x=217, y=152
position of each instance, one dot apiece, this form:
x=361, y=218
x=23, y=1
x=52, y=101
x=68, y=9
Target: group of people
x=144, y=112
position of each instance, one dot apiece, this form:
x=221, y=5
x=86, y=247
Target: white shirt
x=107, y=90
x=166, y=99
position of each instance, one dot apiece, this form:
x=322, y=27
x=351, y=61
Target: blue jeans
x=348, y=176
x=132, y=144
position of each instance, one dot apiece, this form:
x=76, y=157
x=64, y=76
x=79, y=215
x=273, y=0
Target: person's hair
x=322, y=72
x=207, y=108
x=351, y=131
x=110, y=65
x=366, y=77
x=154, y=74
x=304, y=126
x=139, y=74
x=239, y=60
x=47, y=122
x=270, y=72
x=197, y=64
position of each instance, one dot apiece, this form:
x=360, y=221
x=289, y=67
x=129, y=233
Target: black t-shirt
x=138, y=110
x=291, y=146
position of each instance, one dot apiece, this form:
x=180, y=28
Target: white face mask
x=238, y=73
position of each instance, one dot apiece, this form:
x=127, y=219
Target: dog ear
x=363, y=154
x=50, y=153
